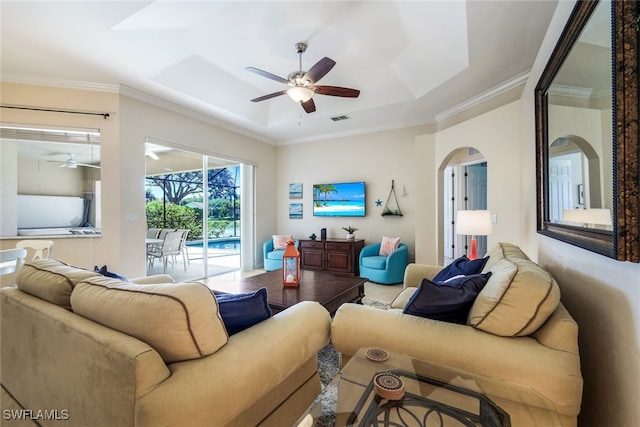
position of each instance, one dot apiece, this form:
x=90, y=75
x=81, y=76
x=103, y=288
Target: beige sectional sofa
x=518, y=333
x=103, y=352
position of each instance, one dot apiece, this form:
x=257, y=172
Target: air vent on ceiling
x=472, y=151
x=340, y=118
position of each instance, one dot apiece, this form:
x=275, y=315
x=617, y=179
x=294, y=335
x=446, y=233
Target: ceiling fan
x=302, y=84
x=72, y=163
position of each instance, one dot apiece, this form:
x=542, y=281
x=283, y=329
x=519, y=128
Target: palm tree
x=324, y=189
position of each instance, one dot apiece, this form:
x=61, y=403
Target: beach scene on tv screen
x=344, y=199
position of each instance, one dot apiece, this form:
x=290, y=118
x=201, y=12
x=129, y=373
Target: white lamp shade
x=300, y=93
x=587, y=216
x=474, y=223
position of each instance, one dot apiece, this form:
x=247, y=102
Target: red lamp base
x=473, y=251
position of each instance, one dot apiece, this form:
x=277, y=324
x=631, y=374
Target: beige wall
x=495, y=135
x=603, y=295
x=83, y=252
x=377, y=158
x=121, y=245
x=140, y=120
x=407, y=156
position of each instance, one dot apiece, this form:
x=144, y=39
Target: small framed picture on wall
x=295, y=210
x=295, y=191
x=581, y=194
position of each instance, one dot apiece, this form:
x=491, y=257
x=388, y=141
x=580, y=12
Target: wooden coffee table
x=328, y=289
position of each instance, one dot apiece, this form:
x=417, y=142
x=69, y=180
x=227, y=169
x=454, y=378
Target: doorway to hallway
x=464, y=188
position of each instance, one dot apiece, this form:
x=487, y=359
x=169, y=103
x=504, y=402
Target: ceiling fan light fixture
x=300, y=93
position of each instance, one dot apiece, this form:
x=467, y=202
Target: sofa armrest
x=398, y=259
x=370, y=250
x=153, y=280
x=414, y=274
x=252, y=363
x=560, y=331
x=402, y=299
x=267, y=247
x=521, y=361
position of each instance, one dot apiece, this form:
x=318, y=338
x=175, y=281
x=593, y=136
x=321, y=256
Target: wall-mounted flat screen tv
x=339, y=199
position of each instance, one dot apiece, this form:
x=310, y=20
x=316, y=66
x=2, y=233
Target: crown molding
x=571, y=91
x=484, y=96
x=199, y=114
x=189, y=112
x=60, y=83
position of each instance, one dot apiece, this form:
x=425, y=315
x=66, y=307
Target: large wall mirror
x=587, y=132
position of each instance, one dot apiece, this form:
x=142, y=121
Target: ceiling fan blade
x=267, y=75
x=309, y=106
x=88, y=166
x=344, y=92
x=320, y=69
x=269, y=96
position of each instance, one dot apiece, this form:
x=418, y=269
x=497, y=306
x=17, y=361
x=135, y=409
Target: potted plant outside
x=350, y=230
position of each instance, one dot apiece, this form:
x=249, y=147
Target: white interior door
x=477, y=196
x=449, y=212
x=559, y=188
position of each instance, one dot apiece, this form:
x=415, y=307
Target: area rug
x=328, y=368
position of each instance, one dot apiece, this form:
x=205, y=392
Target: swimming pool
x=229, y=244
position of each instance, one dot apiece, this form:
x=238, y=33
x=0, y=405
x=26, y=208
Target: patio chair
x=160, y=234
x=10, y=262
x=153, y=233
x=183, y=248
x=170, y=247
x=42, y=249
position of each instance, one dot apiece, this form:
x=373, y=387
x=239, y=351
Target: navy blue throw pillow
x=461, y=266
x=447, y=301
x=241, y=311
x=105, y=272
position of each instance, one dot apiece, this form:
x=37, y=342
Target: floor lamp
x=473, y=223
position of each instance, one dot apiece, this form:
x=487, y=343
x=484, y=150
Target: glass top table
x=433, y=396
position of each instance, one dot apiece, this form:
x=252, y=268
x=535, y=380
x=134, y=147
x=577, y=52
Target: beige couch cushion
x=179, y=320
x=51, y=280
x=518, y=298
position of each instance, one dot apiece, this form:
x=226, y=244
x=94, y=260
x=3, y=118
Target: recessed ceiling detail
x=411, y=60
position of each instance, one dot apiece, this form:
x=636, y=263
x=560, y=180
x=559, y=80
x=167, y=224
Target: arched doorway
x=575, y=177
x=464, y=188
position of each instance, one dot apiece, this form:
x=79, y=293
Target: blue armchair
x=386, y=270
x=273, y=258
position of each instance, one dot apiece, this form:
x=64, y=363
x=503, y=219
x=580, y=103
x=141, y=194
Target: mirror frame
x=623, y=243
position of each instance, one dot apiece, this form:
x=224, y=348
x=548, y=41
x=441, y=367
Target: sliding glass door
x=201, y=195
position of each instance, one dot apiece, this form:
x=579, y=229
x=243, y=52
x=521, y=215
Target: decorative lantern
x=291, y=265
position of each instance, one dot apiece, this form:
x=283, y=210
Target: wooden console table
x=339, y=256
